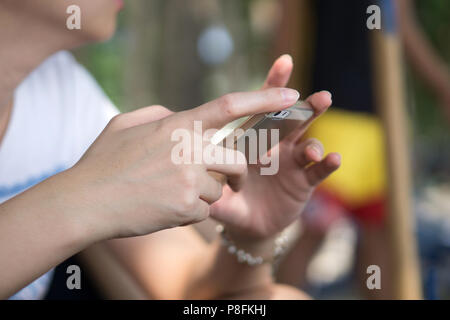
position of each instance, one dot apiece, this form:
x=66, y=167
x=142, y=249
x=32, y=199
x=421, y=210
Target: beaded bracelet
x=246, y=257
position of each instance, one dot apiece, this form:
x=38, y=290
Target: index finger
x=217, y=113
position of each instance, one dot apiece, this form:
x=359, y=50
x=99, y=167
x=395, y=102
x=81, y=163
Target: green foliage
x=434, y=18
x=106, y=61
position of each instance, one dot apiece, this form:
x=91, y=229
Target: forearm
x=38, y=230
x=160, y=262
x=179, y=264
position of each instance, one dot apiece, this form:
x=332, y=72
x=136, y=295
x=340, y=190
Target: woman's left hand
x=267, y=204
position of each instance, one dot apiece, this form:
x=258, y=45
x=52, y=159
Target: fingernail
x=316, y=149
x=290, y=95
x=331, y=95
x=288, y=56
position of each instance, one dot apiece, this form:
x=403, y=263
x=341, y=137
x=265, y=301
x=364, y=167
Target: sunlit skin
x=107, y=194
x=254, y=216
x=267, y=204
x=31, y=31
x=99, y=18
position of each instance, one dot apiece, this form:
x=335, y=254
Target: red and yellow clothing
x=360, y=184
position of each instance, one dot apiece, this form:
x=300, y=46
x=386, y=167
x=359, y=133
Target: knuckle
x=184, y=203
x=242, y=169
x=202, y=215
x=161, y=109
x=226, y=103
x=189, y=178
x=239, y=169
x=116, y=122
x=219, y=191
x=216, y=192
x=170, y=123
x=188, y=201
x=277, y=92
x=274, y=94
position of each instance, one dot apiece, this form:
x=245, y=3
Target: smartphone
x=285, y=121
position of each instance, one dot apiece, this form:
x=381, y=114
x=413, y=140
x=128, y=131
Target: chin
x=105, y=35
x=102, y=33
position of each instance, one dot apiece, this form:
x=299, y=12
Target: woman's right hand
x=126, y=184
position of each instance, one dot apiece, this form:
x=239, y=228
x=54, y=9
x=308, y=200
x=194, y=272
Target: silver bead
x=232, y=249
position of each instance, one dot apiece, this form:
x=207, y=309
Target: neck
x=24, y=45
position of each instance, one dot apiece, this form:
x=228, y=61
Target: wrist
x=70, y=198
x=252, y=250
x=39, y=229
x=242, y=277
x=256, y=245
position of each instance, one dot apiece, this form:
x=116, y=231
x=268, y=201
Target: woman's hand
x=267, y=204
x=127, y=182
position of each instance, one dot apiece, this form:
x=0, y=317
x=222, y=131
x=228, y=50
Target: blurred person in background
x=56, y=204
x=342, y=62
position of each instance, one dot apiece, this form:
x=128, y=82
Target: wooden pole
x=391, y=102
x=296, y=36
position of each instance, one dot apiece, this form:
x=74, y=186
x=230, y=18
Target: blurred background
x=182, y=53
